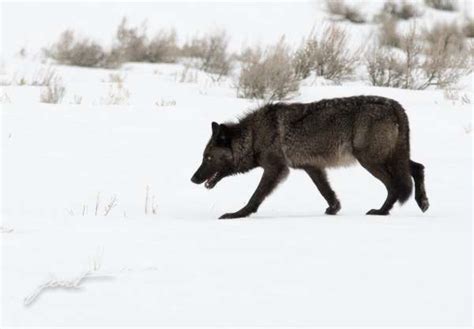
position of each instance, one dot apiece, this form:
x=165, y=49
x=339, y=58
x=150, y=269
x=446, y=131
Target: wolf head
x=218, y=159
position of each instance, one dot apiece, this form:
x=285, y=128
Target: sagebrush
x=447, y=5
x=269, y=74
x=401, y=9
x=347, y=12
x=327, y=54
x=211, y=52
x=422, y=63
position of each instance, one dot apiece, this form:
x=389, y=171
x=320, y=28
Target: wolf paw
x=423, y=204
x=333, y=209
x=377, y=212
x=232, y=215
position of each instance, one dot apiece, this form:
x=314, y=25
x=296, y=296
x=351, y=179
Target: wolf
x=371, y=130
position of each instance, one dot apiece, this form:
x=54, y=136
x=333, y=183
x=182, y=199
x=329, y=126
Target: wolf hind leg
x=417, y=170
x=381, y=172
x=319, y=178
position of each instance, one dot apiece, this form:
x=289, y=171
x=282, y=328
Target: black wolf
x=333, y=132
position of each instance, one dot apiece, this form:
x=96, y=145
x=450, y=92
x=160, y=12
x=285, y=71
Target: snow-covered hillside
x=120, y=137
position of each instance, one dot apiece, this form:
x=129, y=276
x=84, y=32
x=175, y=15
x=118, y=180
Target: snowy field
x=76, y=179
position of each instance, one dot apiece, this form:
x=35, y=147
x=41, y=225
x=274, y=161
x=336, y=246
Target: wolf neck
x=242, y=147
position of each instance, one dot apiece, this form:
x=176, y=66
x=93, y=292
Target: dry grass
x=43, y=77
x=76, y=100
x=117, y=94
x=110, y=205
x=74, y=283
x=151, y=205
x=53, y=93
x=268, y=75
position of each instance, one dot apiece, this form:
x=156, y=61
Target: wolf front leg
x=272, y=176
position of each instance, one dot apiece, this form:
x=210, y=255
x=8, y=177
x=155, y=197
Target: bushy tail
x=401, y=156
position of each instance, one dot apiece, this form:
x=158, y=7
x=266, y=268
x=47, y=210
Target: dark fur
x=333, y=132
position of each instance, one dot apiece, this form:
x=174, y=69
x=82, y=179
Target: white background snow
x=289, y=264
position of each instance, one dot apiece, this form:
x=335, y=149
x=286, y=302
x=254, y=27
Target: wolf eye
x=208, y=158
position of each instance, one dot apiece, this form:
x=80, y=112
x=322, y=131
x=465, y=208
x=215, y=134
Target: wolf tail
x=401, y=157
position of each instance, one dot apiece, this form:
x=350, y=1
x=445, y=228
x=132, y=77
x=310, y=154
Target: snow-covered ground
x=289, y=264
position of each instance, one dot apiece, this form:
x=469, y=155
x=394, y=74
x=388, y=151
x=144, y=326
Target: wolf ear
x=221, y=134
x=215, y=127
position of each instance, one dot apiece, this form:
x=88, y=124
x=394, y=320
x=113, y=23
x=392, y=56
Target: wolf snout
x=196, y=180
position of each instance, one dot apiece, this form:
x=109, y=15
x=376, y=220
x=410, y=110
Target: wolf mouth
x=211, y=181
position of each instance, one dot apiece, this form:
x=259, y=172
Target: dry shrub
x=133, y=45
x=268, y=74
x=53, y=93
x=383, y=67
x=447, y=5
x=388, y=34
x=350, y=13
x=401, y=10
x=305, y=59
x=446, y=62
x=44, y=76
x=468, y=28
x=131, y=42
x=211, y=52
x=163, y=47
x=422, y=63
x=449, y=33
x=70, y=50
x=327, y=54
x=118, y=94
x=336, y=7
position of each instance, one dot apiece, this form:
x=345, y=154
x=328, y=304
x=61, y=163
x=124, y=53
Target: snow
x=289, y=264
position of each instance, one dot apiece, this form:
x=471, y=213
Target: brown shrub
x=327, y=54
x=468, y=28
x=447, y=5
x=268, y=75
x=449, y=33
x=211, y=50
x=163, y=48
x=383, y=67
x=79, y=52
x=422, y=63
x=388, y=34
x=53, y=93
x=401, y=10
x=350, y=13
x=131, y=42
